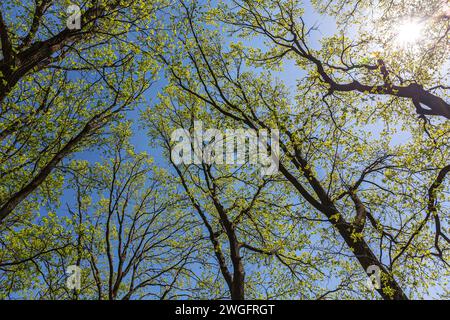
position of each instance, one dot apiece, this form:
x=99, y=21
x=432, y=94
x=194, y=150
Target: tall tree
x=374, y=190
x=121, y=228
x=59, y=87
x=251, y=221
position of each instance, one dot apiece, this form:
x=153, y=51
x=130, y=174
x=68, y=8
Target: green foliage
x=364, y=137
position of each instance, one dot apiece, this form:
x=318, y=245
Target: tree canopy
x=357, y=93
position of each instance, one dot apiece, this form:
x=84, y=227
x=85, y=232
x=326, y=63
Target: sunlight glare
x=409, y=32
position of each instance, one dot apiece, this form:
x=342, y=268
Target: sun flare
x=409, y=32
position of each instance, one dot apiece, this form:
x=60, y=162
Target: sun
x=409, y=32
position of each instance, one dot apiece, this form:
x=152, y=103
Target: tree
x=360, y=114
x=30, y=253
x=121, y=228
x=60, y=87
x=250, y=221
x=375, y=192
